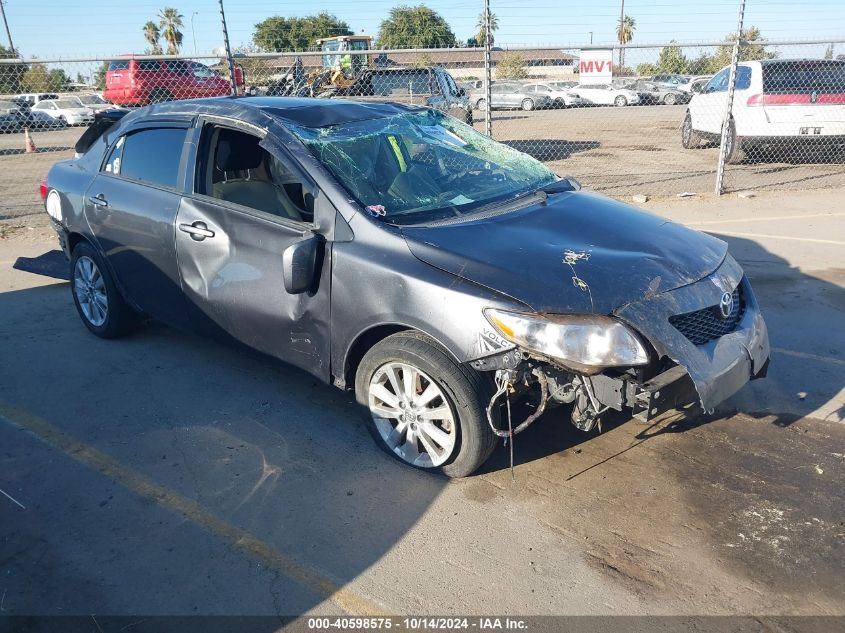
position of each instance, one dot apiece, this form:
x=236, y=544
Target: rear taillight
x=756, y=100
x=43, y=189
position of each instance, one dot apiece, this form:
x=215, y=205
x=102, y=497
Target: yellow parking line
x=779, y=237
x=803, y=216
x=821, y=359
x=312, y=579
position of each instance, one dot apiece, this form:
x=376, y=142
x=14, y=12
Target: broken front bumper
x=717, y=368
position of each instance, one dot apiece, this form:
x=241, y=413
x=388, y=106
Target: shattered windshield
x=422, y=166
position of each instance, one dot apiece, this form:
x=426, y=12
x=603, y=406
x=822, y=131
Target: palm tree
x=170, y=21
x=625, y=33
x=151, y=34
x=482, y=28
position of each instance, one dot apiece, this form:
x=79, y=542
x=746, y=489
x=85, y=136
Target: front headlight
x=583, y=342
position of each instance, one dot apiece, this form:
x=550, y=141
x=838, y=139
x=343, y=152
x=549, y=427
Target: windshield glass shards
x=422, y=166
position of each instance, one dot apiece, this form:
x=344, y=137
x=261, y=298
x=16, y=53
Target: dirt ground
x=162, y=460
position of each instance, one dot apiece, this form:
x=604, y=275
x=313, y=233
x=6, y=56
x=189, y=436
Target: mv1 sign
x=595, y=66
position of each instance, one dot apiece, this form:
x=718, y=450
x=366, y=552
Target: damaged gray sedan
x=398, y=252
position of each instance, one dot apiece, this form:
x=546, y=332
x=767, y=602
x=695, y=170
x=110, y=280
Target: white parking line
x=803, y=216
x=778, y=237
x=821, y=359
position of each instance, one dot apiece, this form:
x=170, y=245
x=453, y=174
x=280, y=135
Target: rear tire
x=96, y=297
x=481, y=104
x=620, y=101
x=669, y=99
x=690, y=139
x=734, y=153
x=456, y=417
x=527, y=104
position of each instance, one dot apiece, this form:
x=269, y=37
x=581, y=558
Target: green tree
x=511, y=66
x=472, y=42
x=672, y=59
x=646, y=69
x=625, y=33
x=99, y=79
x=415, y=27
x=747, y=52
x=277, y=34
x=170, y=21
x=36, y=79
x=11, y=74
x=482, y=28
x=152, y=35
x=57, y=79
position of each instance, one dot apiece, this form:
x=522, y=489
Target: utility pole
x=620, y=33
x=488, y=122
x=8, y=32
x=193, y=32
x=591, y=38
x=232, y=81
x=726, y=118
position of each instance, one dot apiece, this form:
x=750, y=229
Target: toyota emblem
x=726, y=305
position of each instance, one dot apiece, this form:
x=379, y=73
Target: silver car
x=510, y=96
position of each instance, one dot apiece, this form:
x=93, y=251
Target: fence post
x=488, y=121
x=232, y=80
x=726, y=119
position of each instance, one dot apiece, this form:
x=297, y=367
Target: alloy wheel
x=90, y=289
x=412, y=415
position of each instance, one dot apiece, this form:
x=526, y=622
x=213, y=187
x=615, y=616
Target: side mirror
x=299, y=265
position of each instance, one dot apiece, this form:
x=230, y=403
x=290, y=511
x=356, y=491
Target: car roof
x=307, y=112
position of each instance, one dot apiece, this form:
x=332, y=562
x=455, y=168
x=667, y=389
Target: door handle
x=98, y=200
x=197, y=230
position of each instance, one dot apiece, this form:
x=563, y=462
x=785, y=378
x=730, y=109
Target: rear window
x=119, y=65
x=149, y=155
x=804, y=76
x=401, y=83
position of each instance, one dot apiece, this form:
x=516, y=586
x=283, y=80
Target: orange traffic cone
x=27, y=139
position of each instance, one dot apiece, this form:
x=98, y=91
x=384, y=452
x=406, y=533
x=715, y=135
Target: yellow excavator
x=338, y=71
x=341, y=66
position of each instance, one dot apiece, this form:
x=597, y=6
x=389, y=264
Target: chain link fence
x=644, y=129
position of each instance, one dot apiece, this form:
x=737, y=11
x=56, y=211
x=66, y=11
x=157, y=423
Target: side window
x=121, y=65
x=743, y=77
x=178, y=67
x=149, y=65
x=151, y=155
x=238, y=170
x=719, y=83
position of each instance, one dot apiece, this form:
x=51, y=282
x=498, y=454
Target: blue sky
x=58, y=28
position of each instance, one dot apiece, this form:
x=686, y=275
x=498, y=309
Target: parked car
x=507, y=95
x=65, y=109
x=695, y=80
x=697, y=85
x=93, y=102
x=431, y=86
x=133, y=82
x=40, y=120
x=566, y=98
x=651, y=93
x=563, y=85
x=396, y=251
x=671, y=80
x=13, y=117
x=31, y=98
x=606, y=94
x=775, y=101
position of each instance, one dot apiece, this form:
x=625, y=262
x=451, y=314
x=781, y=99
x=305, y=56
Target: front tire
x=620, y=101
x=481, y=104
x=96, y=297
x=422, y=407
x=528, y=104
x=669, y=99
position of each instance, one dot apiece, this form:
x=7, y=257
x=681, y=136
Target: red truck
x=138, y=82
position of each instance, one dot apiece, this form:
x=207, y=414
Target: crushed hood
x=579, y=252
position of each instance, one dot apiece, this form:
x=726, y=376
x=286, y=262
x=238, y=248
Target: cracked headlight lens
x=583, y=342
